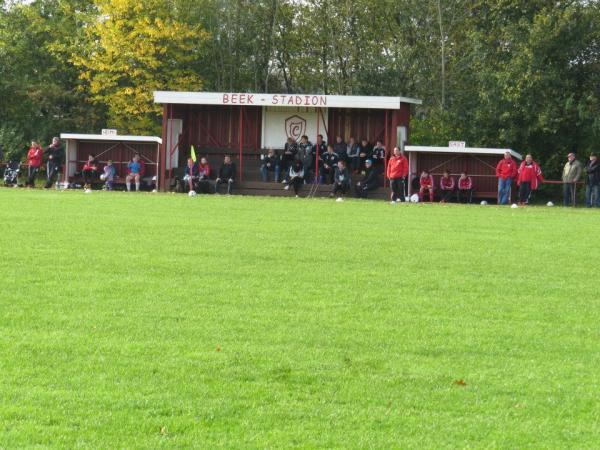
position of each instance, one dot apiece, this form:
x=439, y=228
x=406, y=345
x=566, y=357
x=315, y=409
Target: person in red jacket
x=426, y=183
x=34, y=160
x=446, y=186
x=397, y=171
x=465, y=187
x=529, y=178
x=506, y=172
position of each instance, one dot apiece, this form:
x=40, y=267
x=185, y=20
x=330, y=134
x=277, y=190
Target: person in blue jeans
x=270, y=163
x=592, y=189
x=506, y=171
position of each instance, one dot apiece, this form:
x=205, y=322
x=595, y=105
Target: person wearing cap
x=447, y=185
x=369, y=181
x=506, y=172
x=529, y=178
x=570, y=176
x=592, y=189
x=397, y=171
x=426, y=183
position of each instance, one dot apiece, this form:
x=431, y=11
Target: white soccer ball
x=103, y=177
x=153, y=190
x=549, y=204
x=483, y=203
x=339, y=199
x=192, y=193
x=88, y=191
x=514, y=206
x=414, y=198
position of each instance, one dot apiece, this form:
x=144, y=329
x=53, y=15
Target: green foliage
x=156, y=320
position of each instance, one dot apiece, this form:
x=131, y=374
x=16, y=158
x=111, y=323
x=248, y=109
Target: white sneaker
x=392, y=202
x=339, y=199
x=297, y=196
x=287, y=187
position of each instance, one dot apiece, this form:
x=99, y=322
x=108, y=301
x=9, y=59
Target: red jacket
x=506, y=168
x=465, y=183
x=426, y=182
x=530, y=173
x=447, y=184
x=204, y=170
x=34, y=157
x=397, y=167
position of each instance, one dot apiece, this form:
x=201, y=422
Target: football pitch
x=159, y=320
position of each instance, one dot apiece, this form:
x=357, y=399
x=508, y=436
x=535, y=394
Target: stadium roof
x=467, y=150
x=110, y=138
x=281, y=100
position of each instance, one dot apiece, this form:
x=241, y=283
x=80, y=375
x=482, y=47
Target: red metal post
x=241, y=136
x=317, y=154
x=170, y=139
x=385, y=145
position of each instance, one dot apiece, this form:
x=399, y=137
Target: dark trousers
x=397, y=185
x=51, y=172
x=89, y=176
x=354, y=163
x=203, y=187
x=229, y=183
x=33, y=171
x=297, y=183
x=362, y=191
x=326, y=176
x=447, y=195
x=524, y=191
x=568, y=194
x=466, y=193
x=341, y=188
x=592, y=193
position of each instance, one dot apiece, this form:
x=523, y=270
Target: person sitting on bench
x=90, y=171
x=465, y=188
x=341, y=179
x=446, y=187
x=203, y=176
x=226, y=175
x=191, y=174
x=369, y=181
x=270, y=163
x=426, y=183
x=134, y=172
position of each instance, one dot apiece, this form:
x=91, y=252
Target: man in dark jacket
x=290, y=149
x=370, y=181
x=270, y=163
x=306, y=154
x=365, y=150
x=54, y=161
x=329, y=161
x=592, y=189
x=341, y=179
x=226, y=175
x=341, y=148
x=378, y=157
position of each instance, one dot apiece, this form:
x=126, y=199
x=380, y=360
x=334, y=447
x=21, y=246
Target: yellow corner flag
x=193, y=154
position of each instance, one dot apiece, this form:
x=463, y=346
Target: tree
x=133, y=49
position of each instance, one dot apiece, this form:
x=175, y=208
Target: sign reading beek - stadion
x=285, y=115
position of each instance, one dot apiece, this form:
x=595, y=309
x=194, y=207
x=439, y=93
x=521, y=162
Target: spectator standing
x=365, y=151
x=290, y=149
x=378, y=157
x=54, y=154
x=306, y=154
x=34, y=161
x=570, y=176
x=506, y=172
x=528, y=179
x=592, y=189
x=341, y=148
x=397, y=171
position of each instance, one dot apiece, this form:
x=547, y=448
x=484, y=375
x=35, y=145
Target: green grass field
x=159, y=320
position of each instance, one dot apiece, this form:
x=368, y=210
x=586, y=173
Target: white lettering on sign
x=457, y=144
x=109, y=132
